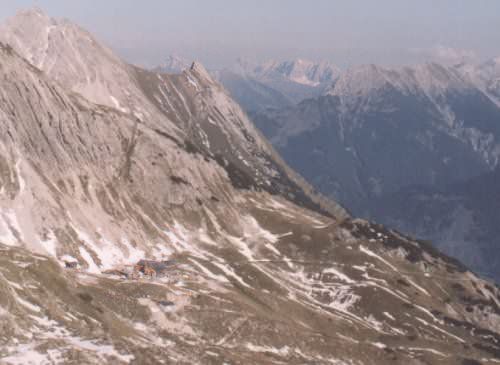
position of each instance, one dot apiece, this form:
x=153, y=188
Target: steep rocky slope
x=485, y=75
x=189, y=109
x=460, y=218
x=73, y=58
x=257, y=269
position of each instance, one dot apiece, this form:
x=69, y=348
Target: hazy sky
x=345, y=32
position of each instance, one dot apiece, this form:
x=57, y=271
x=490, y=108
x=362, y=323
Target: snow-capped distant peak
x=430, y=79
x=243, y=67
x=34, y=12
x=495, y=65
x=174, y=64
x=300, y=71
x=435, y=78
x=359, y=81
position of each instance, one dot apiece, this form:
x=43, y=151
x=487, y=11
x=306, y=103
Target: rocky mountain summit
x=300, y=71
x=485, y=75
x=173, y=64
x=145, y=220
x=272, y=84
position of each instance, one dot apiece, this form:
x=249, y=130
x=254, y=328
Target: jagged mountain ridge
x=432, y=80
x=258, y=279
x=173, y=65
x=372, y=102
x=161, y=104
x=295, y=79
x=379, y=130
x=359, y=90
x=300, y=71
x=72, y=57
x=276, y=84
x=270, y=84
x=485, y=75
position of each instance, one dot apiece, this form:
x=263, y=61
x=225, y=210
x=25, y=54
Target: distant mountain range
x=173, y=65
x=270, y=84
x=370, y=132
x=299, y=71
x=377, y=130
x=281, y=82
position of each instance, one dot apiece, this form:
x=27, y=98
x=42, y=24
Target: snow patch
x=92, y=267
x=339, y=275
x=22, y=183
x=8, y=223
x=372, y=254
x=30, y=306
x=388, y=315
x=379, y=345
x=26, y=355
x=278, y=351
x=50, y=244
